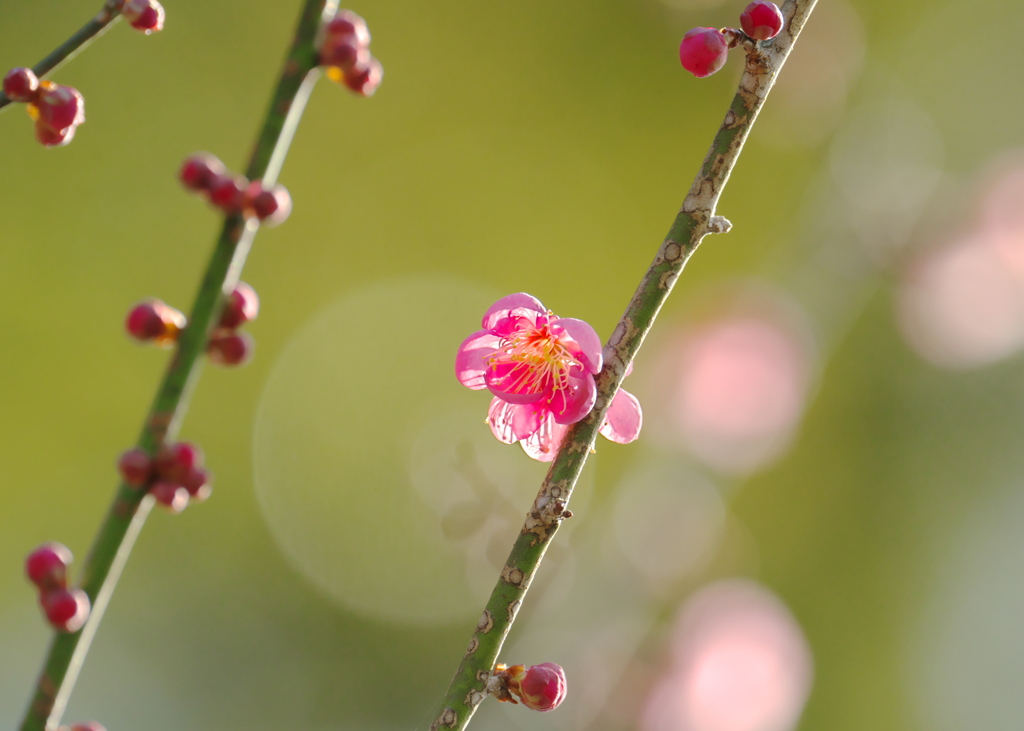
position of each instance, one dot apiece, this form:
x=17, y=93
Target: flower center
x=542, y=363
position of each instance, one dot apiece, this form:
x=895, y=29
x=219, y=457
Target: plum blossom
x=541, y=370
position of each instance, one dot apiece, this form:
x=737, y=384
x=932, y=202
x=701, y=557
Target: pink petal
x=512, y=324
x=527, y=419
x=543, y=444
x=514, y=305
x=515, y=382
x=584, y=343
x=512, y=422
x=569, y=405
x=470, y=362
x=623, y=419
x=500, y=416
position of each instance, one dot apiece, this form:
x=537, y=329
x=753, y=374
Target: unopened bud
x=761, y=20
x=364, y=81
x=199, y=169
x=135, y=466
x=144, y=15
x=59, y=107
x=230, y=348
x=703, y=51
x=154, y=320
x=21, y=84
x=240, y=307
x=66, y=609
x=540, y=687
x=46, y=566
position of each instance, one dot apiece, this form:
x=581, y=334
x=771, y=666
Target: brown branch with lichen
x=695, y=220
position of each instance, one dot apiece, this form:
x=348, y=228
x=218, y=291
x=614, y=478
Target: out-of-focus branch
x=130, y=507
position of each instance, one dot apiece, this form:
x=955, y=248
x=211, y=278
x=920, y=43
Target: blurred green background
x=863, y=476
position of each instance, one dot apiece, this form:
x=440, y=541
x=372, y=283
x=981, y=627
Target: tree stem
x=695, y=220
x=128, y=512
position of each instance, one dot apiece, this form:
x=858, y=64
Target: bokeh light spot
x=736, y=384
x=739, y=662
x=965, y=657
x=960, y=303
x=668, y=522
x=336, y=425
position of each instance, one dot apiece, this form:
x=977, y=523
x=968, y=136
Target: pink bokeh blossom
x=541, y=370
x=960, y=301
x=738, y=661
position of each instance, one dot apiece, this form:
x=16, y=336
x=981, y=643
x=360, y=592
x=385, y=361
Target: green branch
x=695, y=220
x=128, y=512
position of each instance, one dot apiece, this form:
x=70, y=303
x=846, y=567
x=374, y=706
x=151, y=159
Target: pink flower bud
x=52, y=138
x=761, y=20
x=703, y=51
x=271, y=206
x=87, y=726
x=230, y=348
x=156, y=321
x=175, y=461
x=364, y=81
x=540, y=687
x=240, y=307
x=46, y=566
x=347, y=24
x=198, y=170
x=21, y=84
x=198, y=483
x=227, y=192
x=59, y=107
x=344, y=53
x=135, y=466
x=144, y=15
x=66, y=609
x=173, y=497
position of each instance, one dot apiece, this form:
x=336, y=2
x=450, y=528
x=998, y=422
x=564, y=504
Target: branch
x=130, y=507
x=695, y=220
x=70, y=48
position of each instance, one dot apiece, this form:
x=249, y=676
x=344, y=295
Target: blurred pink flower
x=541, y=370
x=738, y=661
x=960, y=303
x=735, y=385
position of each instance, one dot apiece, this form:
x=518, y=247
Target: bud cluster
x=175, y=477
x=57, y=110
x=66, y=609
x=703, y=51
x=228, y=346
x=154, y=321
x=144, y=15
x=231, y=193
x=345, y=52
x=540, y=687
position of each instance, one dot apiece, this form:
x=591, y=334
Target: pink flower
x=541, y=370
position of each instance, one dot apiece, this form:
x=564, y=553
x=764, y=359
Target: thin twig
x=130, y=507
x=70, y=48
x=695, y=220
